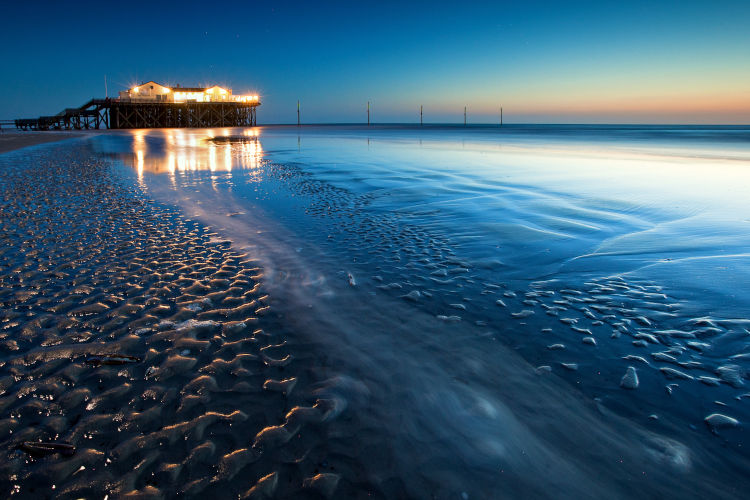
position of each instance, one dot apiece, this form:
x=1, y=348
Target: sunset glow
x=544, y=62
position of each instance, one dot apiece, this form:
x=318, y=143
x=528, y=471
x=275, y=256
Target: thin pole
x=368, y=113
x=298, y=112
x=105, y=87
x=501, y=116
x=464, y=116
x=420, y=115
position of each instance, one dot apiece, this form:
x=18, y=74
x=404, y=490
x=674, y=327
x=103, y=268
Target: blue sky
x=558, y=62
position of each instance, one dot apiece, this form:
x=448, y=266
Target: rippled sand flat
x=12, y=139
x=189, y=313
x=139, y=355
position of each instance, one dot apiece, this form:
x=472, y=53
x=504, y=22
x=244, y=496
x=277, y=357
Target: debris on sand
x=112, y=359
x=42, y=448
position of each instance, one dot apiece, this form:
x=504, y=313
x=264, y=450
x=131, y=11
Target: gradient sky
x=544, y=62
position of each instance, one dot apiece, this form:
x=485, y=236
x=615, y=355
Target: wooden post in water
x=464, y=116
x=420, y=115
x=298, y=112
x=368, y=113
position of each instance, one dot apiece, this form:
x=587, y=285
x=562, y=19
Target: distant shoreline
x=509, y=125
x=13, y=140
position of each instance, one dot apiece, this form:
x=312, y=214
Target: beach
x=11, y=139
x=126, y=329
x=390, y=312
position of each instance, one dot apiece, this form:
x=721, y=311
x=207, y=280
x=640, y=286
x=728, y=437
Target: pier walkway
x=93, y=114
x=117, y=114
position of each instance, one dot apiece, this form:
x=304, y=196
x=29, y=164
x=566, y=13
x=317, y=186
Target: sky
x=542, y=61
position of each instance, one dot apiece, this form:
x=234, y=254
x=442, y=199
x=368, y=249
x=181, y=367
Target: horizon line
x=498, y=125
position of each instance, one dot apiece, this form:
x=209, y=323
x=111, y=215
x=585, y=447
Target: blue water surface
x=568, y=253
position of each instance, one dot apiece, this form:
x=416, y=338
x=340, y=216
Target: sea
x=516, y=311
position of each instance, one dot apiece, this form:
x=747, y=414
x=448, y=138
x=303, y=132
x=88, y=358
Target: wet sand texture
x=447, y=408
x=135, y=357
x=12, y=140
x=140, y=356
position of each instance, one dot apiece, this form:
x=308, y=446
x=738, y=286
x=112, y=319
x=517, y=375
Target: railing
x=230, y=100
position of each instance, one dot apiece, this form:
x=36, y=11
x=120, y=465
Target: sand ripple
x=139, y=354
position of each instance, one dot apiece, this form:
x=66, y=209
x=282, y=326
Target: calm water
x=479, y=294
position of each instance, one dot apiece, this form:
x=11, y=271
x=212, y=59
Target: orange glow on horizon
x=665, y=108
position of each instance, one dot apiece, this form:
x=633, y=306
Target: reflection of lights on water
x=212, y=157
x=139, y=162
x=228, y=157
x=193, y=150
x=171, y=162
x=139, y=147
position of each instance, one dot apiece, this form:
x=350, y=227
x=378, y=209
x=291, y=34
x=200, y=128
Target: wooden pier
x=179, y=115
x=93, y=114
x=117, y=114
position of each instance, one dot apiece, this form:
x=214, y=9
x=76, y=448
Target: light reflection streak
x=139, y=162
x=139, y=149
x=183, y=151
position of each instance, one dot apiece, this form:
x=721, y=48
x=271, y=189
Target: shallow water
x=464, y=306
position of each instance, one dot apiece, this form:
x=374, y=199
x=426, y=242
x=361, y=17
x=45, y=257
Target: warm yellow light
x=135, y=89
x=139, y=162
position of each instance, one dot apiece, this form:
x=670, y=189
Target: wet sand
x=440, y=405
x=143, y=354
x=10, y=140
x=137, y=352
